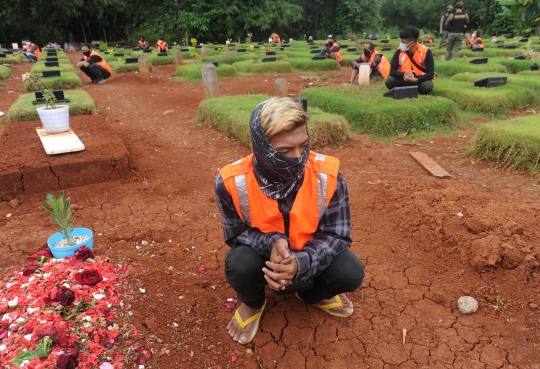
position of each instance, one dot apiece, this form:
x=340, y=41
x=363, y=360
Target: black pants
x=96, y=72
x=243, y=269
x=424, y=88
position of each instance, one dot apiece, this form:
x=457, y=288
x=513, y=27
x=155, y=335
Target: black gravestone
x=303, y=101
x=386, y=49
x=281, y=48
x=256, y=47
x=270, y=53
x=51, y=59
x=118, y=54
x=318, y=58
x=106, y=53
x=147, y=51
x=215, y=63
x=314, y=47
x=241, y=50
x=489, y=82
x=309, y=41
x=510, y=47
x=384, y=41
x=344, y=46
x=519, y=57
x=8, y=52
x=287, y=45
x=51, y=64
x=136, y=49
x=260, y=43
x=59, y=94
x=351, y=49
x=50, y=73
x=477, y=49
x=2, y=55
x=500, y=46
x=232, y=44
x=524, y=40
x=184, y=49
x=535, y=67
x=270, y=59
x=315, y=51
x=242, y=42
x=398, y=93
x=162, y=54
x=127, y=47
x=198, y=46
x=131, y=60
x=51, y=52
x=479, y=61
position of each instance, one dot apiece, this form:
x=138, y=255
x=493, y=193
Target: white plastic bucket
x=54, y=120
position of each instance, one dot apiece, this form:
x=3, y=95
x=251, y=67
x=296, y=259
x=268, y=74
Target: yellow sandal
x=243, y=323
x=327, y=308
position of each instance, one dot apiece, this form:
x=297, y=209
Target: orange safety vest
x=338, y=53
x=259, y=211
x=162, y=47
x=474, y=39
x=143, y=44
x=37, y=53
x=383, y=67
x=103, y=63
x=405, y=63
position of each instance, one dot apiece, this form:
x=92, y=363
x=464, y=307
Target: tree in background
x=525, y=14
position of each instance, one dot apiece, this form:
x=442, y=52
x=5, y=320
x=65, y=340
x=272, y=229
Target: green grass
x=530, y=73
x=5, y=72
x=493, y=101
x=452, y=67
x=306, y=64
x=513, y=143
x=230, y=59
x=192, y=72
x=491, y=53
x=62, y=67
x=122, y=67
x=12, y=59
x=512, y=79
x=367, y=111
x=267, y=67
x=515, y=66
x=232, y=114
x=66, y=81
x=23, y=110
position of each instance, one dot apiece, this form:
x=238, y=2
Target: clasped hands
x=83, y=64
x=281, y=269
x=409, y=76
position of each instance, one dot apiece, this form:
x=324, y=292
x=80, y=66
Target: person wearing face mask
x=443, y=28
x=286, y=216
x=331, y=50
x=161, y=45
x=457, y=23
x=474, y=42
x=412, y=64
x=94, y=65
x=380, y=66
x=143, y=44
x=30, y=50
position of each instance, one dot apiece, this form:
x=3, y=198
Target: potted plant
x=535, y=66
x=67, y=240
x=55, y=118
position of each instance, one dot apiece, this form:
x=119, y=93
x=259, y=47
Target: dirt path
x=425, y=243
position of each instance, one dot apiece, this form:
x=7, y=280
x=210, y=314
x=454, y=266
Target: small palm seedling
x=61, y=214
x=497, y=302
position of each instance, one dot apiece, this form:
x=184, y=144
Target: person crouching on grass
x=94, y=65
x=380, y=66
x=286, y=216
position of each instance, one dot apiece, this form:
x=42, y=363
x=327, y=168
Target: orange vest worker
x=143, y=44
x=103, y=63
x=383, y=67
x=162, y=47
x=337, y=53
x=259, y=211
x=405, y=63
x=37, y=53
x=480, y=45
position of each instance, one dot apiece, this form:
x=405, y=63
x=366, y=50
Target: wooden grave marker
x=428, y=164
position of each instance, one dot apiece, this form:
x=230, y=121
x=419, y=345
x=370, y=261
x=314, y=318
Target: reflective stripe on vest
x=103, y=63
x=320, y=182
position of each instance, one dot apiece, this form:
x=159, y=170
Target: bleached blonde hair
x=282, y=114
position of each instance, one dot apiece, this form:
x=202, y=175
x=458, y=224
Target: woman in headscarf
x=286, y=216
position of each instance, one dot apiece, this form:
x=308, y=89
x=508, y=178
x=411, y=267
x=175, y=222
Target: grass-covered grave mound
x=122, y=67
x=263, y=67
x=231, y=115
x=23, y=110
x=532, y=83
x=515, y=66
x=449, y=68
x=367, y=111
x=229, y=59
x=62, y=67
x=5, y=72
x=12, y=59
x=513, y=143
x=308, y=65
x=66, y=81
x=493, y=101
x=193, y=72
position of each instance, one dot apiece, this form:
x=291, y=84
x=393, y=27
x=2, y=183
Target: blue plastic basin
x=64, y=252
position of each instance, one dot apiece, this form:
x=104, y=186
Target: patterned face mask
x=276, y=174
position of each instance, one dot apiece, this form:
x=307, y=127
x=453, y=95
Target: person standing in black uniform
x=457, y=23
x=443, y=28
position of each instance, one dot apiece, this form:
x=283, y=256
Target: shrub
x=452, y=67
x=232, y=114
x=513, y=143
x=5, y=72
x=309, y=65
x=270, y=67
x=367, y=111
x=193, y=72
x=67, y=80
x=494, y=101
x=23, y=110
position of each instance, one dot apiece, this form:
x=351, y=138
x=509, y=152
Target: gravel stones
x=467, y=305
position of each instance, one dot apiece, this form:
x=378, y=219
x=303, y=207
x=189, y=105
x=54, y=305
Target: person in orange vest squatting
x=286, y=216
x=161, y=45
x=380, y=66
x=412, y=64
x=275, y=38
x=331, y=50
x=474, y=42
x=30, y=50
x=143, y=44
x=94, y=65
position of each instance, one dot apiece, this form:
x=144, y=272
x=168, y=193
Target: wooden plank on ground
x=429, y=165
x=59, y=143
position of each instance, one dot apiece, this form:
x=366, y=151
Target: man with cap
x=331, y=50
x=443, y=28
x=457, y=24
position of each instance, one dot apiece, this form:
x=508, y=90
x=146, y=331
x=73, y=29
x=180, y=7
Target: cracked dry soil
x=420, y=255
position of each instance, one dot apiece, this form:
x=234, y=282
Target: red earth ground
x=425, y=242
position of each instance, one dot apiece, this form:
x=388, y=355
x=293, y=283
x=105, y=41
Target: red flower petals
x=30, y=268
x=41, y=252
x=84, y=253
x=89, y=277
